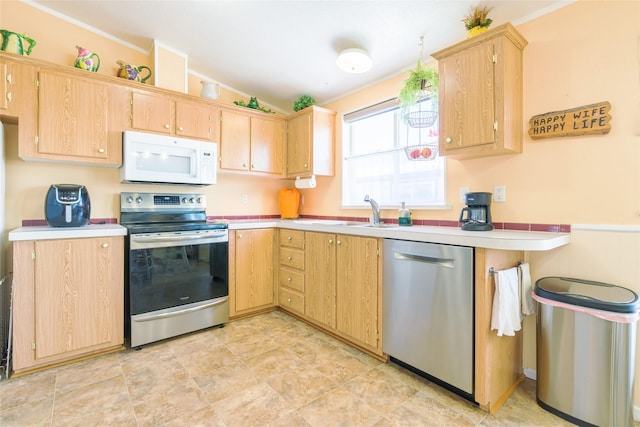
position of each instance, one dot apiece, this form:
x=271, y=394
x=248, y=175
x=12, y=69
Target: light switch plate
x=500, y=193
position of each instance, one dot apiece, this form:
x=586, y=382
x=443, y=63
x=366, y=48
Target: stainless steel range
x=176, y=262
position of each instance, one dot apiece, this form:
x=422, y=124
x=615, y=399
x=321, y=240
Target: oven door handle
x=150, y=317
x=180, y=238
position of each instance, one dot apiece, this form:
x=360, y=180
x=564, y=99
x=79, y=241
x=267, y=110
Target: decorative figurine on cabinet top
x=87, y=60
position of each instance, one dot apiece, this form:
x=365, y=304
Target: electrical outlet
x=500, y=193
x=245, y=199
x=463, y=193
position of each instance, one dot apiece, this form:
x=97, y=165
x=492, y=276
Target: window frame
x=382, y=107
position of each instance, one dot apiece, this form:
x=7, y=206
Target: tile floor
x=268, y=370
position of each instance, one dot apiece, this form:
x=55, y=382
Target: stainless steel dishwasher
x=427, y=311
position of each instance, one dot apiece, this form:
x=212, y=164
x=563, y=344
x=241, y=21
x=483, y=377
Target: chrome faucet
x=375, y=208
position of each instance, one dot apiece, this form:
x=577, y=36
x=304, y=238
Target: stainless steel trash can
x=586, y=334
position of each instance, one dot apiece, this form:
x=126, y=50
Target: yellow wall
x=584, y=53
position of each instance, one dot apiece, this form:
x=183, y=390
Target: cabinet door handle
x=306, y=166
x=338, y=242
x=8, y=78
x=100, y=150
x=166, y=126
x=239, y=236
x=289, y=238
x=449, y=140
x=105, y=245
x=289, y=258
x=288, y=279
x=8, y=96
x=330, y=241
x=244, y=165
x=253, y=166
x=289, y=299
x=180, y=128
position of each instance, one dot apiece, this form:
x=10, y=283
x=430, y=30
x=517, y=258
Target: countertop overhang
x=46, y=232
x=495, y=239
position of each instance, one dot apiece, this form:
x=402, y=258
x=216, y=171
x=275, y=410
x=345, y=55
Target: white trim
x=531, y=373
x=607, y=227
x=85, y=26
x=541, y=12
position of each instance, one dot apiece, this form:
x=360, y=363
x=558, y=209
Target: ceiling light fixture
x=354, y=61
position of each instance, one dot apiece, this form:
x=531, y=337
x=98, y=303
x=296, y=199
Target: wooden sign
x=585, y=120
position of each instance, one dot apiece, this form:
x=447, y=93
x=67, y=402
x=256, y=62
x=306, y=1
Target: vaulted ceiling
x=280, y=50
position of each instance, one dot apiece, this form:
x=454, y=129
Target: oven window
x=161, y=278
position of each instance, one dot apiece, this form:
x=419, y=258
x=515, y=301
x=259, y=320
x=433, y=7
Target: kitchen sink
x=375, y=225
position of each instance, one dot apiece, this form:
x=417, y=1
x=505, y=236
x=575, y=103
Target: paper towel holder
x=306, y=182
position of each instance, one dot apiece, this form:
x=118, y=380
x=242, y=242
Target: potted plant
x=476, y=21
x=421, y=82
x=303, y=102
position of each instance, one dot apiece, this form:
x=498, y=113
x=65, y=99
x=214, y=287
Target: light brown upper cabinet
x=17, y=88
x=162, y=113
x=311, y=142
x=480, y=95
x=73, y=123
x=250, y=143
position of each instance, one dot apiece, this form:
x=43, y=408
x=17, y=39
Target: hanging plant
x=303, y=102
x=422, y=82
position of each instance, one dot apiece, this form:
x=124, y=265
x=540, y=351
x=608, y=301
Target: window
x=377, y=146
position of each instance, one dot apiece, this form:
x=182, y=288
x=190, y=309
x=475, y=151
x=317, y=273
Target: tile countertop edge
x=496, y=239
x=45, y=232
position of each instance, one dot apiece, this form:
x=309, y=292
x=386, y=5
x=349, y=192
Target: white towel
x=528, y=306
x=505, y=313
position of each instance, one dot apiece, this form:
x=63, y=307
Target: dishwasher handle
x=441, y=262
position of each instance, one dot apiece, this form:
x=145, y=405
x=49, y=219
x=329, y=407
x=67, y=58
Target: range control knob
x=184, y=200
x=199, y=200
x=192, y=200
x=129, y=199
x=138, y=199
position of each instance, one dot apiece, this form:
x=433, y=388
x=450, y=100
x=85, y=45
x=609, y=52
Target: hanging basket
x=421, y=119
x=421, y=152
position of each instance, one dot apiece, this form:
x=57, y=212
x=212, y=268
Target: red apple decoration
x=426, y=152
x=415, y=153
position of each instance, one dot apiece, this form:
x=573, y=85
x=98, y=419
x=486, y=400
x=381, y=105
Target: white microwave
x=164, y=159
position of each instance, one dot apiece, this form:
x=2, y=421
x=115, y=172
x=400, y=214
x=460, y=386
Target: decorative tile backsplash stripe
x=550, y=228
x=41, y=222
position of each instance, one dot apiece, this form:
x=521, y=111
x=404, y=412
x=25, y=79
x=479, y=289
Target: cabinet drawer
x=291, y=300
x=292, y=238
x=292, y=258
x=291, y=279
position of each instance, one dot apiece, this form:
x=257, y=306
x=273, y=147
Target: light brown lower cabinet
x=358, y=307
x=342, y=287
x=251, y=278
x=498, y=360
x=68, y=299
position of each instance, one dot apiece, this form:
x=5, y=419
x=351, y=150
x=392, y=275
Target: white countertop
x=45, y=232
x=495, y=239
